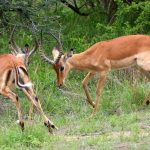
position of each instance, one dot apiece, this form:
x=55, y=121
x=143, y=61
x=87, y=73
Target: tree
x=74, y=6
x=23, y=12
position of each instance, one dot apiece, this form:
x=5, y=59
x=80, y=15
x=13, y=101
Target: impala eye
x=61, y=68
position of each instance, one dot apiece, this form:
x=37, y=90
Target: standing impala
x=13, y=70
x=101, y=58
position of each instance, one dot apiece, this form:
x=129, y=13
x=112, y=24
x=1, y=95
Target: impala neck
x=79, y=61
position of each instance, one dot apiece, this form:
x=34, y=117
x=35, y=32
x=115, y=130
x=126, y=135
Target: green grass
x=121, y=121
x=76, y=131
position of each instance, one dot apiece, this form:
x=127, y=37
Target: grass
x=122, y=122
x=76, y=131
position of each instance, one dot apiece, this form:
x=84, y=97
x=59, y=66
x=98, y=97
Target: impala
x=101, y=57
x=13, y=71
x=24, y=54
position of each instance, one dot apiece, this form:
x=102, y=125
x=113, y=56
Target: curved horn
x=35, y=39
x=12, y=45
x=41, y=50
x=60, y=48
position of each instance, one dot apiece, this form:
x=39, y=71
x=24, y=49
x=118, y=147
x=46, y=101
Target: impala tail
x=19, y=80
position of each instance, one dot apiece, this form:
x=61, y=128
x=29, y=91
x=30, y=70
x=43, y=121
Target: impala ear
x=71, y=51
x=26, y=45
x=26, y=49
x=68, y=55
x=55, y=53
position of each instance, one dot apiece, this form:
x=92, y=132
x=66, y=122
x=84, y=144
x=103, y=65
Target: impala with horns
x=120, y=52
x=13, y=71
x=25, y=52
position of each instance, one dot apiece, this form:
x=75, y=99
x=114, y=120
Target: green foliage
x=133, y=19
x=81, y=32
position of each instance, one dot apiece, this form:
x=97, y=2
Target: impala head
x=59, y=62
x=23, y=53
x=62, y=66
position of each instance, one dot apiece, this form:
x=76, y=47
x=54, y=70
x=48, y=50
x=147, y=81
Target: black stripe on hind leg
x=8, y=77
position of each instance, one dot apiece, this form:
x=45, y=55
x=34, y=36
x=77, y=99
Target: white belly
x=123, y=63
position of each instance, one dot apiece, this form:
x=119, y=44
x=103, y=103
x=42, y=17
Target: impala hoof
x=147, y=102
x=21, y=124
x=50, y=126
x=93, y=105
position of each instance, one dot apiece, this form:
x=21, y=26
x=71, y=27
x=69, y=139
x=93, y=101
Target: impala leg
x=98, y=90
x=84, y=83
x=8, y=93
x=30, y=94
x=35, y=101
x=30, y=114
x=30, y=108
x=147, y=74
